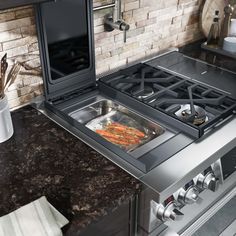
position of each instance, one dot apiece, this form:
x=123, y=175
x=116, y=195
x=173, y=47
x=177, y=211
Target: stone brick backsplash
x=18, y=39
x=154, y=26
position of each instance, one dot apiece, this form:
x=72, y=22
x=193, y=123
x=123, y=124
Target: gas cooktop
x=197, y=105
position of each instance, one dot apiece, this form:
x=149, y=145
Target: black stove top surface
x=200, y=106
x=202, y=72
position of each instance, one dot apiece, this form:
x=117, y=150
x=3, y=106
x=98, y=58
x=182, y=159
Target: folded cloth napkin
x=38, y=218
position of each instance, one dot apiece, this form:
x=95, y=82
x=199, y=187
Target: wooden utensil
x=12, y=75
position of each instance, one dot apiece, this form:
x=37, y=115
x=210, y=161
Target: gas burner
x=197, y=107
x=185, y=114
x=142, y=93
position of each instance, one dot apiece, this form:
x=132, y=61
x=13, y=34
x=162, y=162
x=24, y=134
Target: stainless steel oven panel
x=192, y=160
x=197, y=214
x=147, y=221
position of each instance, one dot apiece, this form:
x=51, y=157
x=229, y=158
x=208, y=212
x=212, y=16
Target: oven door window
x=66, y=25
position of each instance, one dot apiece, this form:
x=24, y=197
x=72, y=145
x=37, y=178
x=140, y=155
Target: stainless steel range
x=169, y=121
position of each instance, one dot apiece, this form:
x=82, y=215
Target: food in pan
x=121, y=134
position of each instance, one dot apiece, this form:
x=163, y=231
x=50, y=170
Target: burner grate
x=187, y=101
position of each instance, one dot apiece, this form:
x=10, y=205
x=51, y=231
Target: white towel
x=38, y=218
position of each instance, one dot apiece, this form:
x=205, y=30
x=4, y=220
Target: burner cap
x=146, y=92
x=184, y=113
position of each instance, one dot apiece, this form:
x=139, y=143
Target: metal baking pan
x=101, y=114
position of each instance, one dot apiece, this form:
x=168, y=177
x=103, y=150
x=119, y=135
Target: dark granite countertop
x=43, y=159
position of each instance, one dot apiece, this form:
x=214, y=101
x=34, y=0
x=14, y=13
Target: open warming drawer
x=120, y=126
x=94, y=112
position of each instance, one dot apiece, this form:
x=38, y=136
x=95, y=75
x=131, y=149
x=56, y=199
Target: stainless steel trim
x=104, y=7
x=161, y=53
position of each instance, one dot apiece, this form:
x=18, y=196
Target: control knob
x=188, y=196
x=170, y=211
x=208, y=181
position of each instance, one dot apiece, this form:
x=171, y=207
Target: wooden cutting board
x=208, y=13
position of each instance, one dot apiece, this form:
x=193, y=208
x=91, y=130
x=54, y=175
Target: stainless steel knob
x=188, y=196
x=209, y=181
x=170, y=212
x=158, y=211
x=191, y=195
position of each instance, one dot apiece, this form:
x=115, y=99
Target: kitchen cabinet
x=4, y=4
x=120, y=222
